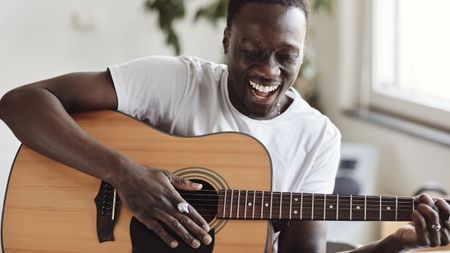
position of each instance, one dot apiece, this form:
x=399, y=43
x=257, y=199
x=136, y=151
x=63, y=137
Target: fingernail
x=173, y=244
x=207, y=239
x=199, y=186
x=206, y=228
x=195, y=244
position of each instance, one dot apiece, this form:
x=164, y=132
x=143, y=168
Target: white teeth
x=262, y=88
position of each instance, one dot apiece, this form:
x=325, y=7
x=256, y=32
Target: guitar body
x=50, y=207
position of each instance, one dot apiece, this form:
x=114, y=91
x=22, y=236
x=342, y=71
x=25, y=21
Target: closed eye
x=288, y=58
x=252, y=55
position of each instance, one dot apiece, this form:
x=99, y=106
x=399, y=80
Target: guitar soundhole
x=204, y=201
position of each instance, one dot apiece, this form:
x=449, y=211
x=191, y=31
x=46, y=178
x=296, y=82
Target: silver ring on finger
x=183, y=207
x=436, y=227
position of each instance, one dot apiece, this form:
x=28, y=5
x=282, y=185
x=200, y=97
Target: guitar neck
x=267, y=205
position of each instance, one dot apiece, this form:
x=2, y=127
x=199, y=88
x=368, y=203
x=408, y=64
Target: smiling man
x=264, y=45
x=187, y=96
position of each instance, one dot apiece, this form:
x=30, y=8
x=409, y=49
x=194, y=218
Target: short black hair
x=234, y=6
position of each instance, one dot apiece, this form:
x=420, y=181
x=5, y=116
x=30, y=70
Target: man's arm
x=38, y=114
x=303, y=236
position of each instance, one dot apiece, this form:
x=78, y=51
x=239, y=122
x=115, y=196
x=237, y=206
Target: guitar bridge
x=107, y=203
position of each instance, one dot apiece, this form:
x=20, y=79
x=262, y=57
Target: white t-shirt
x=187, y=96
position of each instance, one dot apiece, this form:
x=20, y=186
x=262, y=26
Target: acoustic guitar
x=53, y=208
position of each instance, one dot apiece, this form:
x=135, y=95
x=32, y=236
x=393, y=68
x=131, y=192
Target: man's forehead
x=285, y=18
x=285, y=26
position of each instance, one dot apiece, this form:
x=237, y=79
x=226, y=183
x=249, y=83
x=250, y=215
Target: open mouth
x=263, y=92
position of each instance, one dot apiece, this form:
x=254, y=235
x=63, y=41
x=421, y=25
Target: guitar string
x=318, y=199
x=318, y=204
x=374, y=203
x=374, y=208
x=306, y=215
x=330, y=197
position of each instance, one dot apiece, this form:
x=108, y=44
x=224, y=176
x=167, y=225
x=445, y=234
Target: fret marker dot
x=358, y=207
x=331, y=206
x=296, y=199
x=266, y=204
x=250, y=204
x=295, y=211
x=388, y=208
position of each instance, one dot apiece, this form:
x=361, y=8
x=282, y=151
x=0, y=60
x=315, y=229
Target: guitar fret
x=312, y=207
x=290, y=208
x=337, y=206
x=254, y=204
x=365, y=207
x=224, y=203
x=262, y=204
x=301, y=206
x=380, y=207
x=351, y=206
x=281, y=202
x=231, y=205
x=239, y=200
x=113, y=215
x=324, y=206
x=412, y=204
x=396, y=208
x=270, y=211
x=245, y=208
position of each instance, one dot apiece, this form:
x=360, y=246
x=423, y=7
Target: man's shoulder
x=194, y=62
x=312, y=120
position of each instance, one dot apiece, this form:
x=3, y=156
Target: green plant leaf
x=213, y=12
x=168, y=12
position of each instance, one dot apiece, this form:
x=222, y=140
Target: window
x=411, y=59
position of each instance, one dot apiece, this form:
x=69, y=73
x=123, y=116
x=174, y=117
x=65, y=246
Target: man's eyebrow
x=252, y=41
x=291, y=47
x=259, y=43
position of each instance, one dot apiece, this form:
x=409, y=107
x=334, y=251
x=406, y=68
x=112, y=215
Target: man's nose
x=269, y=68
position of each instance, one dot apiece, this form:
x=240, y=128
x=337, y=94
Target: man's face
x=264, y=49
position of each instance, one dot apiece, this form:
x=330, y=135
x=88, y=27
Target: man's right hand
x=152, y=197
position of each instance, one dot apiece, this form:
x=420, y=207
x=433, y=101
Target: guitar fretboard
x=266, y=205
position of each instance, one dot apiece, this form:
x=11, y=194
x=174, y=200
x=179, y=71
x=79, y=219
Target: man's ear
x=226, y=40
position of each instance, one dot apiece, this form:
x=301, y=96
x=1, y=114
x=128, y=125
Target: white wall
x=405, y=161
x=38, y=40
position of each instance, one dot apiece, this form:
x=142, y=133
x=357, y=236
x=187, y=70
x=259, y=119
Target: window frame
x=415, y=109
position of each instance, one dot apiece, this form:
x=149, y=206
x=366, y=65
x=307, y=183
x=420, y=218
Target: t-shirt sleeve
x=321, y=177
x=150, y=88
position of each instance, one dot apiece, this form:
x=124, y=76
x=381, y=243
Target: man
x=263, y=42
